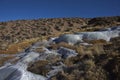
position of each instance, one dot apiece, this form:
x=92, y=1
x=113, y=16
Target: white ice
x=19, y=70
x=106, y=34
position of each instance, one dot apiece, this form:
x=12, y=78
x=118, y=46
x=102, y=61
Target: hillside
x=60, y=49
x=13, y=32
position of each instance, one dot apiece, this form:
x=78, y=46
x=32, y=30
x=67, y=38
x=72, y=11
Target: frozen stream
x=18, y=71
x=105, y=34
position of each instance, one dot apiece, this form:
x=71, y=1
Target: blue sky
x=33, y=9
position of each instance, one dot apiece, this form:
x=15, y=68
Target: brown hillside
x=13, y=32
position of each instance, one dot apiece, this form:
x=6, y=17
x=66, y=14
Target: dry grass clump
x=89, y=64
x=17, y=47
x=4, y=59
x=88, y=75
x=101, y=41
x=98, y=49
x=80, y=69
x=42, y=67
x=90, y=50
x=79, y=49
x=39, y=50
x=63, y=76
x=113, y=67
x=61, y=44
x=39, y=67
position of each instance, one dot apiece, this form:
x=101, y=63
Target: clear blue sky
x=33, y=9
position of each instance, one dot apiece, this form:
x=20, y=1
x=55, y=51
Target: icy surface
x=69, y=38
x=65, y=52
x=18, y=71
x=106, y=34
x=55, y=70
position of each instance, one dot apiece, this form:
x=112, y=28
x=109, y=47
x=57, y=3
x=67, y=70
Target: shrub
x=2, y=27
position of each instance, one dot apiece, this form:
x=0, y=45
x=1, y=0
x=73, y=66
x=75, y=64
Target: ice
x=111, y=29
x=19, y=70
x=65, y=52
x=30, y=57
x=106, y=34
x=69, y=38
x=55, y=70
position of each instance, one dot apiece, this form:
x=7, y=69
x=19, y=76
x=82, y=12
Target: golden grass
x=17, y=47
x=95, y=49
x=39, y=67
x=81, y=50
x=62, y=44
x=101, y=41
x=4, y=59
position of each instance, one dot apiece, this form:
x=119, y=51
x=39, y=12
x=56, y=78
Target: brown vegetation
x=40, y=68
x=18, y=47
x=94, y=62
x=4, y=59
x=99, y=61
x=19, y=30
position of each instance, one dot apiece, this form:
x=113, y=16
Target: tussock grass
x=17, y=47
x=4, y=59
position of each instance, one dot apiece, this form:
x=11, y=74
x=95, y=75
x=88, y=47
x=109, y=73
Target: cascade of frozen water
x=81, y=36
x=19, y=71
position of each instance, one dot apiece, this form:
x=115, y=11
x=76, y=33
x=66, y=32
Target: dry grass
x=96, y=49
x=61, y=44
x=80, y=49
x=39, y=67
x=17, y=47
x=27, y=29
x=100, y=42
x=103, y=65
x=4, y=59
x=39, y=50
